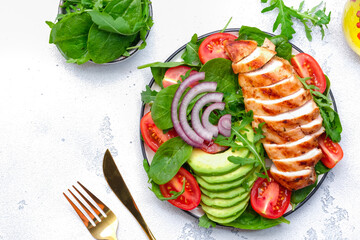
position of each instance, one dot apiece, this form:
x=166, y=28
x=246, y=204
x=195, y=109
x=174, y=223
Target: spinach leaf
x=191, y=56
x=327, y=90
x=220, y=70
x=168, y=159
x=299, y=195
x=282, y=47
x=252, y=33
x=253, y=221
x=105, y=46
x=161, y=108
x=70, y=36
x=156, y=189
x=148, y=95
x=205, y=222
x=320, y=168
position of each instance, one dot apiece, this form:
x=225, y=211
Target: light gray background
x=57, y=120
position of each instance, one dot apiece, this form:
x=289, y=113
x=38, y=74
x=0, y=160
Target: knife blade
x=118, y=186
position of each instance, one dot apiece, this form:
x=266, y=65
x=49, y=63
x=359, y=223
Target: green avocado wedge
x=224, y=195
x=228, y=219
x=229, y=177
x=220, y=187
x=206, y=164
x=223, y=203
x=225, y=212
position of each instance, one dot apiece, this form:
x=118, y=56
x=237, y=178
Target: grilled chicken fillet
x=277, y=98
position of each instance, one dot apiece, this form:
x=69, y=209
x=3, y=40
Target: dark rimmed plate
x=148, y=153
x=132, y=51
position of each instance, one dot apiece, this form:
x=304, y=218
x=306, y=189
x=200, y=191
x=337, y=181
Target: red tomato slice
x=306, y=66
x=212, y=46
x=173, y=75
x=190, y=199
x=332, y=151
x=213, y=148
x=269, y=198
x=152, y=135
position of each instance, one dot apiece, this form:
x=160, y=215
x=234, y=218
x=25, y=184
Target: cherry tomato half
x=306, y=66
x=190, y=199
x=173, y=75
x=212, y=46
x=332, y=151
x=152, y=135
x=269, y=198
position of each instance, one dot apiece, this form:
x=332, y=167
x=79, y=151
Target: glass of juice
x=351, y=24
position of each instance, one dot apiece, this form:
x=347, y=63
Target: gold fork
x=105, y=228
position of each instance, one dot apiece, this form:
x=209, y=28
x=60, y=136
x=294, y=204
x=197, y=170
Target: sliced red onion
x=174, y=114
x=205, y=117
x=195, y=114
x=224, y=125
x=192, y=93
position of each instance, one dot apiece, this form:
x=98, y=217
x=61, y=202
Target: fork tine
x=77, y=210
x=84, y=207
x=88, y=202
x=98, y=202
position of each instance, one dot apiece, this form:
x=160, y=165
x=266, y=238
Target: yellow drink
x=351, y=24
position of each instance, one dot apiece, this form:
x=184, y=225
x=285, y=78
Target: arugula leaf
x=331, y=120
x=314, y=16
x=205, y=222
x=148, y=95
x=168, y=159
x=253, y=221
x=191, y=56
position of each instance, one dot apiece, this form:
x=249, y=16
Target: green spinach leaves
x=101, y=31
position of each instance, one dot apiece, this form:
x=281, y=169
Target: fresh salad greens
x=172, y=154
x=309, y=18
x=100, y=30
x=331, y=120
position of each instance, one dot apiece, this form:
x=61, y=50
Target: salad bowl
x=148, y=154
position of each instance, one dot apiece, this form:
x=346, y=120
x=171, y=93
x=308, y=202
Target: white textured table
x=57, y=120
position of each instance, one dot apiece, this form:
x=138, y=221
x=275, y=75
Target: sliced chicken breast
x=293, y=149
x=282, y=137
x=305, y=161
x=289, y=120
x=278, y=90
x=237, y=50
x=294, y=180
x=282, y=105
x=275, y=70
x=258, y=58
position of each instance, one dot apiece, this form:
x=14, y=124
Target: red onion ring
x=174, y=105
x=190, y=95
x=205, y=117
x=224, y=125
x=195, y=115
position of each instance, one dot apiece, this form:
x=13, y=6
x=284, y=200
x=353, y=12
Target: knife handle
x=136, y=213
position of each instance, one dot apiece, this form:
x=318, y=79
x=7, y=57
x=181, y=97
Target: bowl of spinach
x=101, y=31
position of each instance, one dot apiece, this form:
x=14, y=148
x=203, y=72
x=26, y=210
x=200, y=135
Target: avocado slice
x=220, y=187
x=223, y=203
x=225, y=212
x=228, y=219
x=231, y=176
x=207, y=164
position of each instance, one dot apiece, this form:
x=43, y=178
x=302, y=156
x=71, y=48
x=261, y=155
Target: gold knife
x=117, y=184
